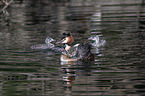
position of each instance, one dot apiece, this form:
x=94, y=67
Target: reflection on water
x=118, y=68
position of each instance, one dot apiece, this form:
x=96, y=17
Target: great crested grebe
x=77, y=52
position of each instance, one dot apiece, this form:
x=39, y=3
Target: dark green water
x=118, y=68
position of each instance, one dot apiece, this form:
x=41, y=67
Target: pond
x=118, y=68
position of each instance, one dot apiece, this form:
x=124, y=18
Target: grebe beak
x=65, y=40
x=58, y=42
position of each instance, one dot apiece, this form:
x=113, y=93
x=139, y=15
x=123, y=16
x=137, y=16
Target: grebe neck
x=67, y=47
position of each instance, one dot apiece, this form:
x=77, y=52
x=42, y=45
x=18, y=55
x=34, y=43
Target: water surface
x=118, y=68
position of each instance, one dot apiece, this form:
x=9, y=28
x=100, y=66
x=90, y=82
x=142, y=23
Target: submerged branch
x=6, y=5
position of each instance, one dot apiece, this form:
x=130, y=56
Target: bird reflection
x=71, y=70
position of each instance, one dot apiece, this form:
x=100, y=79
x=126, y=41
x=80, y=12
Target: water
x=118, y=68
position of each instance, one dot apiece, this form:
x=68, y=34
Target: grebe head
x=97, y=42
x=66, y=39
x=49, y=40
x=95, y=38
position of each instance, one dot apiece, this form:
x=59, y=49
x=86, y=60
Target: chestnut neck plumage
x=68, y=44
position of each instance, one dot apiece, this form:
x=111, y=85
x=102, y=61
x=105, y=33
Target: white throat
x=67, y=47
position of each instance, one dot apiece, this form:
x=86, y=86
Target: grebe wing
x=71, y=52
x=78, y=50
